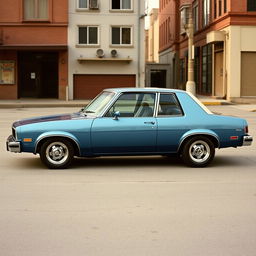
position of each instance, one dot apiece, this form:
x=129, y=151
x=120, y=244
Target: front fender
x=57, y=134
x=199, y=132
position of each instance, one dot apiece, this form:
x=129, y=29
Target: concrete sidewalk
x=52, y=103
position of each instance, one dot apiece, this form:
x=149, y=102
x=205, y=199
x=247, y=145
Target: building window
x=121, y=4
x=220, y=7
x=36, y=9
x=215, y=9
x=121, y=36
x=225, y=6
x=207, y=70
x=184, y=18
x=82, y=4
x=251, y=5
x=195, y=16
x=206, y=12
x=182, y=72
x=88, y=35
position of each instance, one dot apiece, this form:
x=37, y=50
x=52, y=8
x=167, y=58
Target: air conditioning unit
x=100, y=53
x=94, y=4
x=114, y=53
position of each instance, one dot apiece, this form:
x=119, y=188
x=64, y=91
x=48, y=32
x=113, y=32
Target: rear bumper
x=247, y=140
x=12, y=145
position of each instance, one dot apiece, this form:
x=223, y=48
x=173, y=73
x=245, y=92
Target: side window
x=134, y=105
x=168, y=105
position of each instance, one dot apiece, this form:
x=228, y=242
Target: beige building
x=106, y=46
x=237, y=62
x=152, y=37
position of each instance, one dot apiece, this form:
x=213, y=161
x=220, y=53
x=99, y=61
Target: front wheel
x=198, y=151
x=57, y=153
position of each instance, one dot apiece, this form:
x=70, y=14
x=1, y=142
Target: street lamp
x=190, y=85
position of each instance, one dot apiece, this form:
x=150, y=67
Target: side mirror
x=116, y=115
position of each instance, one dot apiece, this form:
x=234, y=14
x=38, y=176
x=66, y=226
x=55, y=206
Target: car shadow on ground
x=150, y=162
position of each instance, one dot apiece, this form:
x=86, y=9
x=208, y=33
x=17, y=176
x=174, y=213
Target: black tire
x=198, y=151
x=57, y=153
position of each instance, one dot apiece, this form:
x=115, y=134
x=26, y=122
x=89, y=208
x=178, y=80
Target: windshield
x=99, y=103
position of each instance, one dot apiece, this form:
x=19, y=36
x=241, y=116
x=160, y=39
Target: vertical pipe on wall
x=139, y=49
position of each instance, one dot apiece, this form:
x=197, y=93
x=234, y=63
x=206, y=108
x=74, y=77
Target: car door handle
x=149, y=123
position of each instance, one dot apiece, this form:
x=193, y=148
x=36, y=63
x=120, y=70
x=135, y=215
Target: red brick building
x=224, y=32
x=33, y=49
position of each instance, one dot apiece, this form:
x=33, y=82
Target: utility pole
x=190, y=85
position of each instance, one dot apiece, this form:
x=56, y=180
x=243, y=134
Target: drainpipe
x=139, y=38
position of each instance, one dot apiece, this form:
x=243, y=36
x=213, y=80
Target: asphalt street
x=128, y=206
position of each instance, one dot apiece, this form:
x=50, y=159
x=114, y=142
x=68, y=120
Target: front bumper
x=12, y=145
x=247, y=140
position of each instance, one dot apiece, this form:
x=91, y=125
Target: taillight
x=246, y=130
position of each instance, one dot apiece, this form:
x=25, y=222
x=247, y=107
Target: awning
x=215, y=36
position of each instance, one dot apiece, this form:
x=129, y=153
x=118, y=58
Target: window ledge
x=87, y=10
x=121, y=10
x=120, y=46
x=81, y=60
x=36, y=21
x=87, y=46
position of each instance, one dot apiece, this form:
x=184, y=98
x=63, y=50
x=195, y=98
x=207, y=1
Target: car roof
x=143, y=89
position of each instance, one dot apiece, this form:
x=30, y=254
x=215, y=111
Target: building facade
x=106, y=46
x=33, y=49
x=153, y=37
x=224, y=48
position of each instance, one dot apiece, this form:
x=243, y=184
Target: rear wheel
x=57, y=153
x=198, y=151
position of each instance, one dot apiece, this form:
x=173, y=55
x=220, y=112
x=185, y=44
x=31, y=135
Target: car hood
x=51, y=118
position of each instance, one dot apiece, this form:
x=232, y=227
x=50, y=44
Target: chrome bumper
x=247, y=140
x=12, y=145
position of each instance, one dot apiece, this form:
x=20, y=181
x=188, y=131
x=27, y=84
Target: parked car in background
x=131, y=121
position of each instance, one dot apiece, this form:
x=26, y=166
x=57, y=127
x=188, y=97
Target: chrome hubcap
x=57, y=153
x=199, y=151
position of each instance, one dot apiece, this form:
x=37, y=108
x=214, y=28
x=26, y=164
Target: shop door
x=218, y=70
x=38, y=75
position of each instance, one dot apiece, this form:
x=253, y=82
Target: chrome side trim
x=57, y=135
x=247, y=140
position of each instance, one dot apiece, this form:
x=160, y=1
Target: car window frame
x=177, y=100
x=134, y=92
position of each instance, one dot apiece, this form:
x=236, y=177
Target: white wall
x=104, y=18
x=238, y=39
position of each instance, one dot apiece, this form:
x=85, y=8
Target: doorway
x=218, y=70
x=38, y=75
x=158, y=78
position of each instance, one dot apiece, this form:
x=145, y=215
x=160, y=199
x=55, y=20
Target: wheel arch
x=210, y=135
x=68, y=137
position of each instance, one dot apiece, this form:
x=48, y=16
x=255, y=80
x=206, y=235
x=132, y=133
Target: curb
x=218, y=103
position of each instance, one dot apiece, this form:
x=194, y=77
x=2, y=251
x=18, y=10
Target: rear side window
x=169, y=105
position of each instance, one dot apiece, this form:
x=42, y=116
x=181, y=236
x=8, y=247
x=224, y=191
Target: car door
x=171, y=123
x=133, y=131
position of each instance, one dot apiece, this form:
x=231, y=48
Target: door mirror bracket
x=116, y=115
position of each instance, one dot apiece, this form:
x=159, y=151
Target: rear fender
x=197, y=132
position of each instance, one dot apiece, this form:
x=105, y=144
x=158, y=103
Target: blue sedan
x=131, y=121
